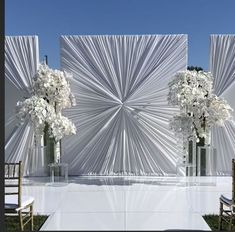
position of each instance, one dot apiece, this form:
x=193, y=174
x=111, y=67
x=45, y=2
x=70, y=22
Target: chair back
x=13, y=179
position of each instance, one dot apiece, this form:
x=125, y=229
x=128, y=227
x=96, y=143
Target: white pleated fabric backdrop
x=120, y=83
x=222, y=66
x=21, y=62
x=122, y=113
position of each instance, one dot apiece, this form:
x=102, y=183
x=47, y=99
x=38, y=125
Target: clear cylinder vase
x=53, y=147
x=38, y=164
x=206, y=161
x=191, y=156
x=57, y=152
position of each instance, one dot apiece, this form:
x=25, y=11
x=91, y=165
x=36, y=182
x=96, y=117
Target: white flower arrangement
x=37, y=110
x=53, y=86
x=60, y=127
x=52, y=93
x=200, y=109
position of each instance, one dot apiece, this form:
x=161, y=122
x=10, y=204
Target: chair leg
x=220, y=216
x=21, y=221
x=230, y=223
x=31, y=216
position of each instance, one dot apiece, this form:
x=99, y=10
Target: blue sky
x=51, y=18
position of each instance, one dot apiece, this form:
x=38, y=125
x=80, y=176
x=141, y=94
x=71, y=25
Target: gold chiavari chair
x=15, y=202
x=227, y=206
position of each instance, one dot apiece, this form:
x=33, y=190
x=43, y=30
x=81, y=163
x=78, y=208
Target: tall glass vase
x=186, y=163
x=38, y=164
x=202, y=156
x=50, y=144
x=191, y=156
x=206, y=160
x=57, y=152
x=52, y=149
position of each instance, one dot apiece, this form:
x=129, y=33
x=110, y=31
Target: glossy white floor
x=128, y=203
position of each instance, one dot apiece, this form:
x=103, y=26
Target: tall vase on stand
x=200, y=162
x=57, y=143
x=58, y=170
x=49, y=144
x=52, y=149
x=206, y=157
x=50, y=94
x=191, y=156
x=202, y=155
x=186, y=163
x=38, y=164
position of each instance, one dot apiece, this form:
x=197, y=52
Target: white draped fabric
x=122, y=113
x=21, y=62
x=222, y=66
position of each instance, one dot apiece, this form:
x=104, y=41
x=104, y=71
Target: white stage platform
x=128, y=203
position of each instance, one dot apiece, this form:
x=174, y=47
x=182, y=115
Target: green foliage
x=12, y=223
x=213, y=222
x=191, y=68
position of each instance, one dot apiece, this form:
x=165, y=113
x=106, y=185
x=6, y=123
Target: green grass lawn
x=213, y=222
x=12, y=223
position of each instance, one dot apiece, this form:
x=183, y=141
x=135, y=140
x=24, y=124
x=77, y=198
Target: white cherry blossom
x=200, y=109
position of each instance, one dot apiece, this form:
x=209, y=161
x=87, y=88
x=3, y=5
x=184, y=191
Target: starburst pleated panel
x=222, y=66
x=21, y=62
x=122, y=114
